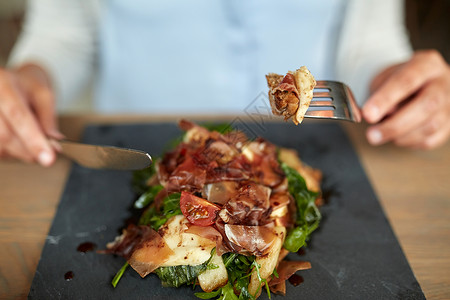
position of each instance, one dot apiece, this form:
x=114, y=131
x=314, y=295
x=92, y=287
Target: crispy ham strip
x=250, y=206
x=143, y=247
x=130, y=240
x=285, y=270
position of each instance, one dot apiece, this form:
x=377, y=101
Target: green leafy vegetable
x=212, y=267
x=209, y=295
x=140, y=178
x=178, y=275
x=295, y=239
x=222, y=128
x=261, y=280
x=227, y=293
x=147, y=197
x=239, y=268
x=119, y=275
x=308, y=215
x=170, y=207
x=275, y=273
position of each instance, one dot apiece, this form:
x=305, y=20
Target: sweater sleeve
x=373, y=37
x=60, y=36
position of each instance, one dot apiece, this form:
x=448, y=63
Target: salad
x=222, y=212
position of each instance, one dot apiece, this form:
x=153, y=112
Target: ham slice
x=143, y=247
x=283, y=94
x=150, y=255
x=254, y=240
x=207, y=232
x=220, y=192
x=291, y=95
x=285, y=270
x=250, y=206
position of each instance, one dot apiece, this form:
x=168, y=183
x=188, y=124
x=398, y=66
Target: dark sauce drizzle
x=86, y=247
x=68, y=276
x=296, y=279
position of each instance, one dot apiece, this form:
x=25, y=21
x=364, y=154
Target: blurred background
x=428, y=23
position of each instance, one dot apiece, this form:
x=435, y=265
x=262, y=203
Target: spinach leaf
x=308, y=215
x=205, y=295
x=178, y=275
x=148, y=196
x=226, y=293
x=240, y=269
x=170, y=207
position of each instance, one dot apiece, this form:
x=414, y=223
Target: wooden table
x=413, y=187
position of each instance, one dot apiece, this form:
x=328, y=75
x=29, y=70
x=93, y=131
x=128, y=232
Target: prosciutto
x=187, y=177
x=290, y=95
x=250, y=206
x=285, y=270
x=262, y=156
x=252, y=240
x=220, y=192
x=131, y=238
x=143, y=248
x=208, y=232
x=283, y=94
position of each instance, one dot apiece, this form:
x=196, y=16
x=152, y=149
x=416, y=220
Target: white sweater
x=64, y=37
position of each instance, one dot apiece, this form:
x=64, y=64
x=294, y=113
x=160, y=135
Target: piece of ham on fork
x=290, y=95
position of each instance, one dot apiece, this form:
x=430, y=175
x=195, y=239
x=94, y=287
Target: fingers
x=437, y=139
x=10, y=145
x=22, y=124
x=35, y=81
x=429, y=135
x=422, y=122
x=44, y=105
x=409, y=117
x=403, y=83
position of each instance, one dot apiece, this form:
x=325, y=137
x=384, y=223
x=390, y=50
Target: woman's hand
x=27, y=115
x=410, y=103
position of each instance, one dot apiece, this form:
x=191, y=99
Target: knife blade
x=105, y=157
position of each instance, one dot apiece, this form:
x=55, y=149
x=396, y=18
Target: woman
x=211, y=56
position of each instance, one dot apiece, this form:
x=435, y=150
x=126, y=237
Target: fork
x=333, y=100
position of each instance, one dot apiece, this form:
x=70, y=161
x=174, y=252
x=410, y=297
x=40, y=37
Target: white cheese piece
x=189, y=249
x=279, y=212
x=211, y=279
x=248, y=153
x=305, y=83
x=267, y=262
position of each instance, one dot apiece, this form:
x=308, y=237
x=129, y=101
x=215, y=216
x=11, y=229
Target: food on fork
x=290, y=95
x=222, y=212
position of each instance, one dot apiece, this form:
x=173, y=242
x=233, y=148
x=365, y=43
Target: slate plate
x=354, y=254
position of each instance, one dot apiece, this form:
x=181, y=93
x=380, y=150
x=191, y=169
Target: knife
x=105, y=157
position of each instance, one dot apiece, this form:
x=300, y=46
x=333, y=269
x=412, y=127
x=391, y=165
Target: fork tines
x=333, y=100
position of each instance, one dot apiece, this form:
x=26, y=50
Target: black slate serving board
x=354, y=254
